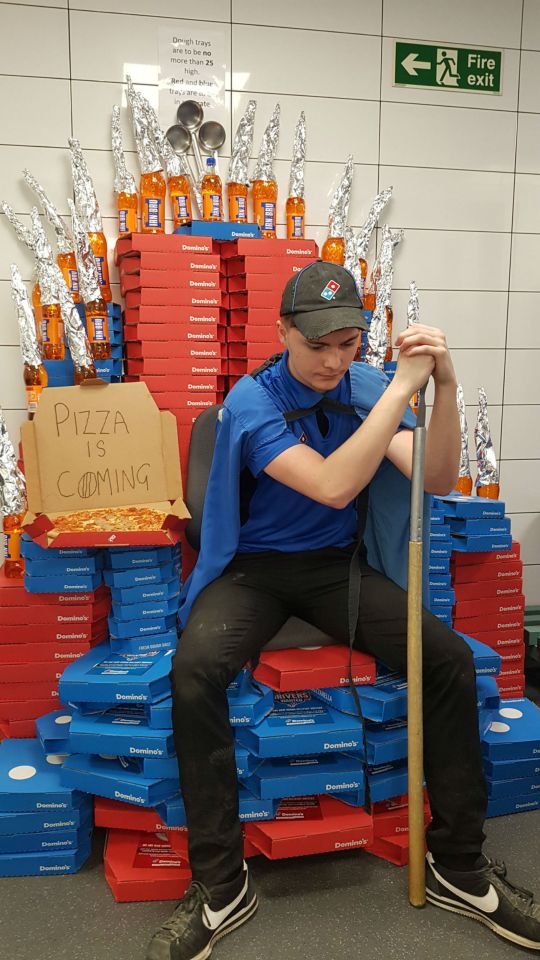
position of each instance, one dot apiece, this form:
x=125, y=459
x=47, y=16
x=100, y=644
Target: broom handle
x=417, y=876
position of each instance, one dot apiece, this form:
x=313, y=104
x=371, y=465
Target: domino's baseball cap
x=322, y=298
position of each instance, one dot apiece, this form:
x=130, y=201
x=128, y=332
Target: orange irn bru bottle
x=35, y=380
x=295, y=212
x=68, y=266
x=265, y=193
x=489, y=490
x=13, y=563
x=363, y=278
x=99, y=246
x=153, y=191
x=389, y=319
x=81, y=374
x=237, y=201
x=180, y=200
x=52, y=332
x=464, y=486
x=127, y=205
x=97, y=326
x=212, y=193
x=333, y=250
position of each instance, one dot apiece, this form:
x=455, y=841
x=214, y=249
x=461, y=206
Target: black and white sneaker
x=486, y=895
x=196, y=925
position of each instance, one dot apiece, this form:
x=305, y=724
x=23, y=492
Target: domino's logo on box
x=330, y=290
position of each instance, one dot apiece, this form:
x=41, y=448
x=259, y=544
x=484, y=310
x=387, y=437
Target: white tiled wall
x=465, y=166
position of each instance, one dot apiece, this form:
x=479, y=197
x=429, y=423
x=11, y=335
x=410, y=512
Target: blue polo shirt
x=279, y=518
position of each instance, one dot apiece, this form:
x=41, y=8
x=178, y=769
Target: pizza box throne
x=102, y=469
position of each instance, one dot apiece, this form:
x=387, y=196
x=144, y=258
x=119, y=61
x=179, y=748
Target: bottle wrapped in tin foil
x=351, y=262
x=30, y=349
x=464, y=462
x=12, y=482
x=488, y=471
x=175, y=164
x=413, y=306
x=46, y=266
x=267, y=151
x=124, y=181
x=63, y=240
x=86, y=261
x=296, y=180
x=242, y=146
x=379, y=337
x=149, y=159
x=23, y=233
x=366, y=231
x=85, y=194
x=339, y=206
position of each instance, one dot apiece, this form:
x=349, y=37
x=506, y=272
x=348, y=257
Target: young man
x=278, y=533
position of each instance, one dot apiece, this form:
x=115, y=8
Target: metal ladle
x=180, y=140
x=212, y=137
x=191, y=115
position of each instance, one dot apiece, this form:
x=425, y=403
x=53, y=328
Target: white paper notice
x=192, y=67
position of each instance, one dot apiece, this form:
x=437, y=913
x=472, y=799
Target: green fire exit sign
x=448, y=67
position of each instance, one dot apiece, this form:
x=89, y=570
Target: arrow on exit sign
x=412, y=64
x=448, y=67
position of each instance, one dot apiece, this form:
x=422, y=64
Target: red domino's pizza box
x=55, y=632
x=501, y=621
x=250, y=850
x=190, y=316
x=46, y=671
x=511, y=667
x=196, y=402
x=13, y=593
x=276, y=269
x=126, y=816
x=179, y=382
x=249, y=351
x=184, y=332
x=303, y=669
x=254, y=334
x=196, y=285
x=33, y=690
x=238, y=368
x=393, y=818
x=185, y=296
x=18, y=729
x=182, y=262
x=28, y=709
x=150, y=278
x=268, y=248
x=52, y=614
x=511, y=687
x=25, y=653
x=265, y=317
x=186, y=417
x=461, y=559
x=209, y=350
x=482, y=589
x=500, y=640
x=394, y=849
x=500, y=571
x=307, y=825
x=161, y=243
x=143, y=866
x=255, y=282
x=176, y=365
x=489, y=605
x=255, y=299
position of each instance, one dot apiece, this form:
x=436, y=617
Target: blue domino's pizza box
x=246, y=763
x=53, y=730
x=142, y=578
x=502, y=806
x=140, y=628
x=101, y=676
x=439, y=531
x=380, y=702
x=436, y=519
x=32, y=551
x=254, y=808
x=221, y=230
x=482, y=544
x=119, y=732
x=521, y=786
x=249, y=701
x=63, y=583
x=115, y=777
x=442, y=598
x=145, y=645
x=486, y=660
x=298, y=776
x=487, y=693
x=154, y=593
x=47, y=841
x=480, y=528
x=440, y=550
x=31, y=780
x=385, y=781
x=439, y=565
x=137, y=558
x=64, y=566
x=441, y=581
x=166, y=767
x=515, y=734
x=157, y=715
x=55, y=863
x=512, y=769
x=128, y=612
x=299, y=724
x=172, y=811
x=43, y=821
x=443, y=613
x=457, y=505
x=386, y=742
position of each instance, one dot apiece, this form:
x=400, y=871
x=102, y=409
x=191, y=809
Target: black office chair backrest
x=201, y=451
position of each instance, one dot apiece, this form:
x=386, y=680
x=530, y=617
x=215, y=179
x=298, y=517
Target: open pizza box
x=102, y=469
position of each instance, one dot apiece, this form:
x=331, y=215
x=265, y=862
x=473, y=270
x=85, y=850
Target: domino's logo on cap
x=330, y=290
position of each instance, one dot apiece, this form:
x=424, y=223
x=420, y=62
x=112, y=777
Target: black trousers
x=232, y=620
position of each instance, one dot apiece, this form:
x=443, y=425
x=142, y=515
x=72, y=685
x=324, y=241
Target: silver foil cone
x=339, y=206
x=12, y=483
x=413, y=306
x=242, y=146
x=351, y=261
x=63, y=239
x=23, y=233
x=46, y=266
x=30, y=350
x=124, y=181
x=85, y=195
x=464, y=462
x=485, y=454
x=175, y=164
x=297, y=178
x=377, y=339
x=366, y=231
x=149, y=159
x=75, y=333
x=267, y=151
x=86, y=262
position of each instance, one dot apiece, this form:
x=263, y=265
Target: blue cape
x=386, y=534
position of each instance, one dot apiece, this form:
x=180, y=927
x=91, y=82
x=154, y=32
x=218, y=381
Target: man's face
x=320, y=364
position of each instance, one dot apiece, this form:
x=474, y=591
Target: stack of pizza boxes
x=256, y=272
x=174, y=322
